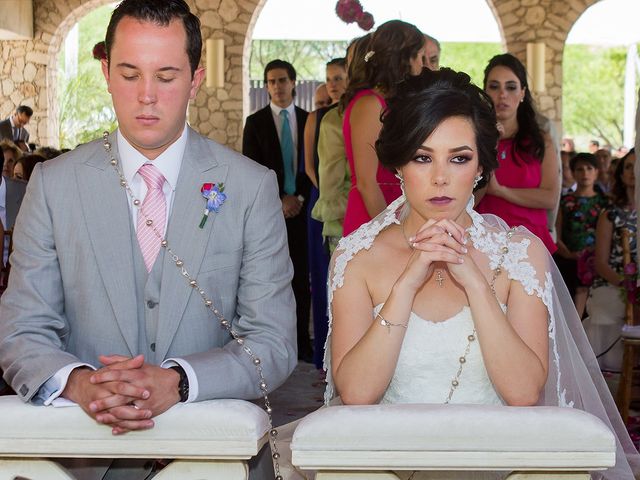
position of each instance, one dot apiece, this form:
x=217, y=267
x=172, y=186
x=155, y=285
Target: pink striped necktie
x=152, y=215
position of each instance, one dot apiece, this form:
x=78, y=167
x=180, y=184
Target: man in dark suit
x=273, y=137
x=13, y=127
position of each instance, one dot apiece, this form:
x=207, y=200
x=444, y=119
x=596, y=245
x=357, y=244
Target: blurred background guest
x=568, y=182
x=47, y=152
x=603, y=156
x=13, y=128
x=396, y=51
x=526, y=184
x=333, y=165
x=336, y=83
x=568, y=145
x=321, y=98
x=606, y=305
x=11, y=154
x=431, y=53
x=576, y=229
x=25, y=165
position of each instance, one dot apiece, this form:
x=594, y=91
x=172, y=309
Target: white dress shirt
x=169, y=163
x=293, y=124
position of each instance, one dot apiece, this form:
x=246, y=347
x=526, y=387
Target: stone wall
x=28, y=72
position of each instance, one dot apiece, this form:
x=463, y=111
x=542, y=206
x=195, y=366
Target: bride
x=433, y=303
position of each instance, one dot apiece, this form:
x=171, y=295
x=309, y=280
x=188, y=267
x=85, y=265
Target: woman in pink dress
x=395, y=51
x=526, y=183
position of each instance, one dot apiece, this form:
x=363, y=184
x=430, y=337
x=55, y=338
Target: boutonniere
x=215, y=198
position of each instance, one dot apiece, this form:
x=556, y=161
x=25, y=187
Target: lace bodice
x=428, y=362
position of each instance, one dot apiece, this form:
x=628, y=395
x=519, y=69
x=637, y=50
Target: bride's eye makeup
x=421, y=157
x=464, y=158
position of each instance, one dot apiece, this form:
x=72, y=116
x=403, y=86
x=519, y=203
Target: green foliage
x=85, y=109
x=308, y=57
x=593, y=93
x=469, y=57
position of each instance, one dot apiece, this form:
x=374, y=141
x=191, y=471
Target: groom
x=98, y=310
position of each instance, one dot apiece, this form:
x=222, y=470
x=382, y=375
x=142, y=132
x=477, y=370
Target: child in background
x=576, y=227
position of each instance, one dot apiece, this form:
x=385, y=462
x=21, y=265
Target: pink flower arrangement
x=350, y=11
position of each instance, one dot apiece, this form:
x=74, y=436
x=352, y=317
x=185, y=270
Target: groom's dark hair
x=160, y=12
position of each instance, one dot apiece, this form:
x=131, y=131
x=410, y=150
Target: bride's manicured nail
x=460, y=260
x=464, y=250
x=411, y=239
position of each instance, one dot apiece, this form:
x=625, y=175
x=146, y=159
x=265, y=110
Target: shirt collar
x=12, y=122
x=276, y=109
x=168, y=162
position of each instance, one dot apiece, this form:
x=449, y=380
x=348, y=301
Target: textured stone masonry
x=28, y=71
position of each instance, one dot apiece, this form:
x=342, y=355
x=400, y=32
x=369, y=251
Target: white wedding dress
x=430, y=353
x=428, y=361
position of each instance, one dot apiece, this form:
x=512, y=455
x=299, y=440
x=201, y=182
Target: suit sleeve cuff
x=191, y=375
x=55, y=385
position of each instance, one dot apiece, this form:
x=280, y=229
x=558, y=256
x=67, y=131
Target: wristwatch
x=183, y=384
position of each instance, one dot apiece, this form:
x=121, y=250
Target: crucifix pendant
x=439, y=278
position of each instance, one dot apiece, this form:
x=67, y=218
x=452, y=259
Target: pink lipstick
x=440, y=201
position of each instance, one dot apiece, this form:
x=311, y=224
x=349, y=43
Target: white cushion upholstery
x=450, y=437
x=215, y=429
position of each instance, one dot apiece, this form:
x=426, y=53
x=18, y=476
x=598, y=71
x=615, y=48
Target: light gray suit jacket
x=71, y=294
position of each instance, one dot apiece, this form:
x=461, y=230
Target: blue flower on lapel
x=215, y=198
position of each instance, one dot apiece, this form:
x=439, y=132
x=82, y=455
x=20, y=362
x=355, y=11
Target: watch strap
x=183, y=383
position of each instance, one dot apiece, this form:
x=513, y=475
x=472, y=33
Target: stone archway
x=30, y=67
x=77, y=10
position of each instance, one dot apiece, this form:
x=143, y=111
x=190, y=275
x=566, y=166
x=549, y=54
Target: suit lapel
x=184, y=236
x=272, y=133
x=108, y=219
x=301, y=119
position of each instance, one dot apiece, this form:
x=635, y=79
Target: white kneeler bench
x=373, y=441
x=207, y=440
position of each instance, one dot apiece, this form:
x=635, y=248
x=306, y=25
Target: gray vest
x=148, y=300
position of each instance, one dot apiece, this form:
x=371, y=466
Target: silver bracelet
x=388, y=324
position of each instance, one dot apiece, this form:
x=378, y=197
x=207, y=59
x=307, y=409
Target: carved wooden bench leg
x=626, y=380
x=32, y=469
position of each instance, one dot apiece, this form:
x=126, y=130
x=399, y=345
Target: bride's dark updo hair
x=424, y=102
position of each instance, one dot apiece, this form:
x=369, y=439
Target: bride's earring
x=476, y=181
x=401, y=178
